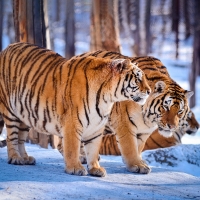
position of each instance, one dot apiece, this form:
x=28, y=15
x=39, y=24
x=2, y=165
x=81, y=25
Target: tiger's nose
x=171, y=126
x=148, y=92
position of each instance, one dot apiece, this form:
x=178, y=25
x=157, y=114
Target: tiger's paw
x=141, y=168
x=79, y=170
x=16, y=160
x=100, y=172
x=29, y=160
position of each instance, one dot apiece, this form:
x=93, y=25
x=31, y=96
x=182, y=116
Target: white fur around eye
x=139, y=74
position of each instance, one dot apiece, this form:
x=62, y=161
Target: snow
x=47, y=180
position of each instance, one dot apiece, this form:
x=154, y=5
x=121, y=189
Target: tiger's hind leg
x=16, y=135
x=92, y=153
x=22, y=136
x=14, y=156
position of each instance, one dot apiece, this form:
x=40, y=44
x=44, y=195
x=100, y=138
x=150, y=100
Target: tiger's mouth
x=191, y=132
x=165, y=132
x=138, y=99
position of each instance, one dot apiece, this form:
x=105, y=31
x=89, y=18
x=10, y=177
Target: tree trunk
x=104, y=25
x=1, y=23
x=69, y=30
x=175, y=22
x=133, y=10
x=195, y=68
x=39, y=26
x=30, y=21
x=147, y=27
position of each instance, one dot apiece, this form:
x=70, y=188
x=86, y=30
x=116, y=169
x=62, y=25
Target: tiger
x=165, y=106
x=73, y=98
x=189, y=126
x=109, y=144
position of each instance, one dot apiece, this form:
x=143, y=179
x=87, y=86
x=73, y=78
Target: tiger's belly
x=39, y=122
x=96, y=128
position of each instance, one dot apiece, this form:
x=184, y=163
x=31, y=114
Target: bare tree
x=133, y=11
x=39, y=26
x=19, y=13
x=1, y=22
x=69, y=30
x=175, y=21
x=195, y=68
x=147, y=27
x=29, y=21
x=104, y=25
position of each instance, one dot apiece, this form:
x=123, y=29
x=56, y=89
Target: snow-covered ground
x=47, y=180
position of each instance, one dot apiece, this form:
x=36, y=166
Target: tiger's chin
x=139, y=100
x=191, y=132
x=165, y=132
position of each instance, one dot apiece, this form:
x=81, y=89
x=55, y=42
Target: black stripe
x=87, y=85
x=89, y=141
x=15, y=126
x=86, y=114
x=178, y=136
x=132, y=122
x=155, y=142
x=79, y=117
x=98, y=97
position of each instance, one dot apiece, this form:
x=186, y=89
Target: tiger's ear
x=188, y=94
x=159, y=87
x=122, y=65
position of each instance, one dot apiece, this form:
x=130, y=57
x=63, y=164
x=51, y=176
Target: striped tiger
x=109, y=145
x=69, y=98
x=189, y=126
x=166, y=105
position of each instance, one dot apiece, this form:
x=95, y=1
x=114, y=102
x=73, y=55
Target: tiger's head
x=133, y=82
x=166, y=106
x=189, y=124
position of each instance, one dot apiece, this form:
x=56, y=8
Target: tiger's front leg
x=71, y=148
x=129, y=150
x=92, y=147
x=141, y=140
